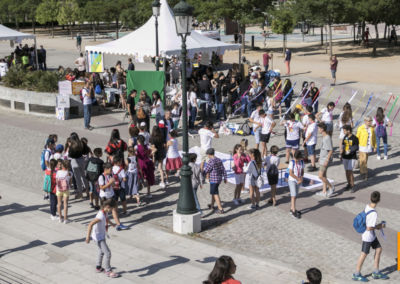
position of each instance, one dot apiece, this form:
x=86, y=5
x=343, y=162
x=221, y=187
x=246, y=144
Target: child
x=146, y=165
x=119, y=176
x=215, y=172
x=143, y=132
x=50, y=187
x=310, y=140
x=369, y=240
x=174, y=161
x=314, y=276
x=268, y=125
x=272, y=168
x=244, y=143
x=132, y=176
x=106, y=182
x=381, y=122
x=293, y=129
x=45, y=158
x=58, y=152
x=253, y=172
x=348, y=152
x=63, y=178
x=94, y=168
x=176, y=114
x=305, y=121
x=296, y=173
x=239, y=159
x=97, y=230
x=326, y=116
x=197, y=179
x=325, y=156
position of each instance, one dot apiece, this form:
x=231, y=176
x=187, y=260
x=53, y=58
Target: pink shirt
x=239, y=162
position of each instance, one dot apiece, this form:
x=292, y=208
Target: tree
x=29, y=8
x=93, y=13
x=47, y=11
x=283, y=22
x=114, y=9
x=68, y=13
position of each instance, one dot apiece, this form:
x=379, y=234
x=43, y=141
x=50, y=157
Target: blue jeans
x=221, y=111
x=193, y=114
x=378, y=144
x=196, y=200
x=87, y=113
x=250, y=108
x=244, y=102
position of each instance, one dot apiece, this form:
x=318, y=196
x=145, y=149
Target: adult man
x=87, y=106
x=207, y=133
x=131, y=105
x=175, y=71
x=333, y=65
x=204, y=86
x=349, y=155
x=288, y=58
x=266, y=58
x=257, y=124
x=81, y=63
x=324, y=158
x=78, y=42
x=131, y=66
x=366, y=37
x=393, y=35
x=42, y=56
x=310, y=140
x=367, y=144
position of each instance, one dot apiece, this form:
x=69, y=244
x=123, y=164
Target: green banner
x=149, y=81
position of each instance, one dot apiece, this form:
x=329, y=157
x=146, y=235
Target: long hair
x=257, y=157
x=115, y=137
x=221, y=271
x=156, y=136
x=379, y=115
x=347, y=113
x=288, y=86
x=237, y=146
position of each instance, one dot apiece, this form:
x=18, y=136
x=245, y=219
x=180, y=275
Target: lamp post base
x=186, y=224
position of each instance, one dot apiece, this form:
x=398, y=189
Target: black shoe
x=312, y=169
x=96, y=207
x=294, y=214
x=298, y=214
x=348, y=186
x=91, y=205
x=352, y=189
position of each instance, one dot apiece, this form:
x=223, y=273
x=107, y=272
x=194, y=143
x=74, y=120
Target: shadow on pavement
x=65, y=243
x=325, y=202
x=19, y=208
x=31, y=244
x=207, y=259
x=154, y=268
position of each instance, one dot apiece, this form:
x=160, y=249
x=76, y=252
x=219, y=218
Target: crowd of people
x=25, y=57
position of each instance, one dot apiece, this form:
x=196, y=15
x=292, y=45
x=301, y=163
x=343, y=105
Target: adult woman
x=381, y=122
x=75, y=153
x=116, y=146
x=157, y=108
x=157, y=142
x=120, y=82
x=145, y=163
x=222, y=272
x=133, y=133
x=253, y=172
x=143, y=109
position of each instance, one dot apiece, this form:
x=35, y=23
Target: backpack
x=92, y=171
x=47, y=183
x=43, y=160
x=380, y=129
x=117, y=183
x=62, y=185
x=244, y=129
x=259, y=179
x=360, y=221
x=273, y=171
x=140, y=114
x=97, y=89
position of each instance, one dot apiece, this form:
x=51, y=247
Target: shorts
x=214, y=188
x=93, y=188
x=273, y=179
x=333, y=72
x=203, y=156
x=349, y=164
x=265, y=137
x=63, y=193
x=323, y=169
x=329, y=126
x=294, y=188
x=311, y=149
x=367, y=245
x=257, y=135
x=119, y=194
x=239, y=178
x=294, y=144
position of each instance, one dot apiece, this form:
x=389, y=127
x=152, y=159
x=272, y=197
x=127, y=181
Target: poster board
x=95, y=62
x=64, y=87
x=63, y=101
x=77, y=86
x=145, y=80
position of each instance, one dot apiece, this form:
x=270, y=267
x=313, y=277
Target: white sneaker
x=385, y=157
x=236, y=202
x=54, y=218
x=378, y=157
x=60, y=220
x=66, y=221
x=162, y=185
x=320, y=193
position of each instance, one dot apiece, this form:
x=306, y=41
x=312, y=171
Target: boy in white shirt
x=267, y=122
x=272, y=168
x=310, y=140
x=257, y=122
x=369, y=240
x=292, y=128
x=326, y=116
x=118, y=172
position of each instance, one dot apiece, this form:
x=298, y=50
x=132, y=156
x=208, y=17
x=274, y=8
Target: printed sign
x=95, y=62
x=63, y=101
x=65, y=87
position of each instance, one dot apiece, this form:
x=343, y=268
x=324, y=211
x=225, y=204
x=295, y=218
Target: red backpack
x=62, y=184
x=117, y=183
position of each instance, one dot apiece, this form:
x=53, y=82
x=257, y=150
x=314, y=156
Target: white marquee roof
x=142, y=42
x=9, y=34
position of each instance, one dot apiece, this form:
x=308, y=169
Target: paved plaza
x=268, y=245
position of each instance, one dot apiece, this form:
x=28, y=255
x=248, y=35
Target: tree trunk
x=330, y=41
x=94, y=31
x=376, y=40
x=322, y=35
x=33, y=26
x=117, y=31
x=70, y=30
x=284, y=44
x=384, y=33
x=16, y=24
x=354, y=33
x=52, y=29
x=243, y=34
x=363, y=31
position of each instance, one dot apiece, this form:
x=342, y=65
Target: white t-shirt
x=132, y=165
x=305, y=120
x=256, y=117
x=175, y=114
x=206, y=137
x=99, y=229
x=341, y=124
x=297, y=168
x=81, y=63
x=269, y=102
x=369, y=236
x=267, y=122
x=3, y=69
x=173, y=151
x=61, y=174
x=293, y=130
x=146, y=136
x=107, y=192
x=121, y=174
x=272, y=160
x=193, y=99
x=327, y=116
x=87, y=100
x=313, y=130
x=159, y=108
x=57, y=156
x=47, y=156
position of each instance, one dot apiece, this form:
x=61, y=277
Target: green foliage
x=283, y=21
x=68, y=13
x=40, y=81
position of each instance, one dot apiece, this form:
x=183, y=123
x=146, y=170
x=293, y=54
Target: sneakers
x=66, y=221
x=352, y=189
x=320, y=193
x=385, y=157
x=112, y=274
x=149, y=196
x=348, y=186
x=378, y=157
x=239, y=200
x=312, y=169
x=360, y=278
x=91, y=205
x=379, y=275
x=252, y=207
x=53, y=218
x=257, y=206
x=162, y=185
x=331, y=191
x=60, y=220
x=96, y=207
x=236, y=202
x=121, y=227
x=99, y=269
x=294, y=214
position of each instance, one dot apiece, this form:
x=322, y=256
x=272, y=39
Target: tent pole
x=36, y=56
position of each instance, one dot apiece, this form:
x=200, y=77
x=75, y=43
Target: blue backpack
x=380, y=129
x=42, y=159
x=360, y=221
x=97, y=89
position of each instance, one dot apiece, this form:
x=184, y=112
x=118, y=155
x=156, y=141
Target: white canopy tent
x=16, y=36
x=142, y=42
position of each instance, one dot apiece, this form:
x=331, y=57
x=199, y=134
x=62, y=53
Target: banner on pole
x=95, y=61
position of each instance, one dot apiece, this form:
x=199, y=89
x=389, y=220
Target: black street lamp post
x=156, y=13
x=183, y=13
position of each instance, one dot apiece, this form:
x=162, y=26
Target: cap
x=210, y=151
x=59, y=148
x=161, y=124
x=142, y=124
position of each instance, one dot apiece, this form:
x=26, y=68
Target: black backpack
x=93, y=170
x=244, y=129
x=273, y=171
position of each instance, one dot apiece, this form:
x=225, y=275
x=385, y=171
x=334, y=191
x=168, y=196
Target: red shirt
x=231, y=281
x=266, y=58
x=53, y=180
